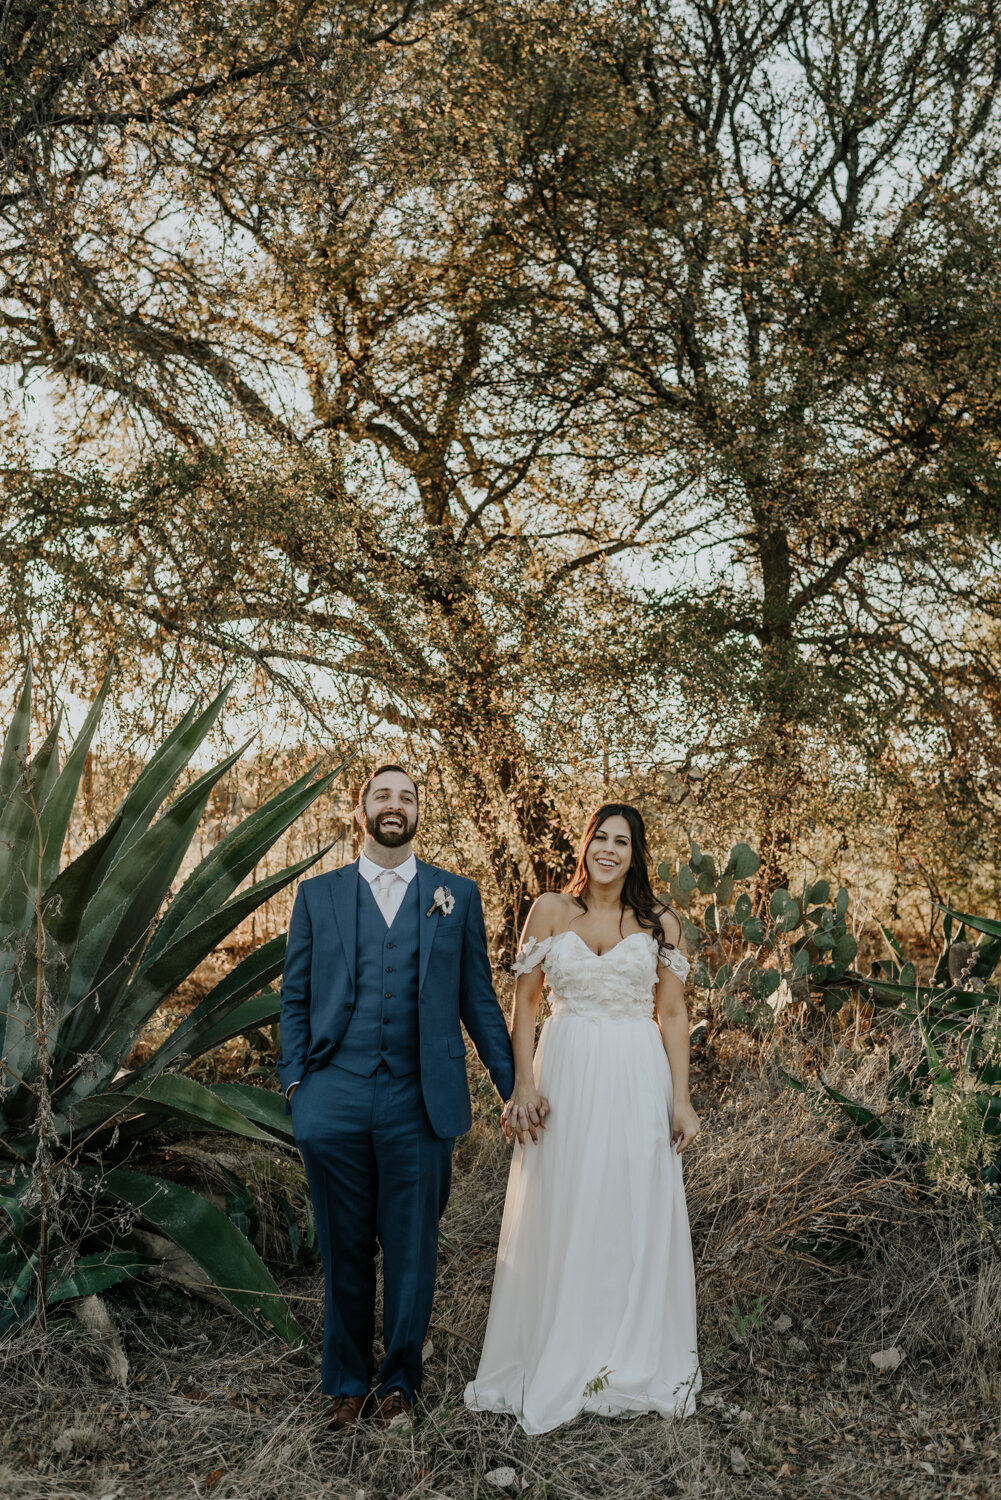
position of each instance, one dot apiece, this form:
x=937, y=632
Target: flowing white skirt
x=593, y=1304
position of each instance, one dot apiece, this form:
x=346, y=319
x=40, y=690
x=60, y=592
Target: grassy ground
x=792, y=1403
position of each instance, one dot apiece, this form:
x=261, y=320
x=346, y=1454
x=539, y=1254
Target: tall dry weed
x=790, y=1392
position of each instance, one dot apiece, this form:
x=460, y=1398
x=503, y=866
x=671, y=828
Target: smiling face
x=609, y=853
x=389, y=813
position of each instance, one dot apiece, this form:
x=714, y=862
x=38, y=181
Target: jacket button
x=347, y=1007
x=389, y=971
x=385, y=1021
x=388, y=995
x=390, y=945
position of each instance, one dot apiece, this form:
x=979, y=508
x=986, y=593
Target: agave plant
x=88, y=951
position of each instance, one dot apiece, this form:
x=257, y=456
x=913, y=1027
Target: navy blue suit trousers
x=378, y=1174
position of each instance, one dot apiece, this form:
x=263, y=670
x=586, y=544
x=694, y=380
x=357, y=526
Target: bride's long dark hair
x=637, y=892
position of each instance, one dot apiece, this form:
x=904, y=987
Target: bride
x=593, y=1304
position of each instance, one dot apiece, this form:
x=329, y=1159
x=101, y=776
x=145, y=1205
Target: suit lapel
x=344, y=900
x=428, y=877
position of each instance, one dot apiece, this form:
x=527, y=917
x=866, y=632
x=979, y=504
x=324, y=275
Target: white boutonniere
x=443, y=901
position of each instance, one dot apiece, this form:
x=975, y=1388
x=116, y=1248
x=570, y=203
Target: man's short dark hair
x=367, y=783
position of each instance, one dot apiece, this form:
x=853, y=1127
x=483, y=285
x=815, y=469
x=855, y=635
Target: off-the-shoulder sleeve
x=531, y=956
x=672, y=959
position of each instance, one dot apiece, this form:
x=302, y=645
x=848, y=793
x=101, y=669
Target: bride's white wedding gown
x=593, y=1304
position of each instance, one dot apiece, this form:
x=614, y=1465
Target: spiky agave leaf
x=21, y=844
x=16, y=741
x=121, y=912
x=229, y=1261
x=159, y=776
x=262, y=1105
x=57, y=809
x=22, y=835
x=206, y=1027
x=87, y=981
x=148, y=989
x=226, y=865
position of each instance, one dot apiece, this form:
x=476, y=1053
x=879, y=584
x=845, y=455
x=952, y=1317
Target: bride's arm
x=672, y=1018
x=525, y=1112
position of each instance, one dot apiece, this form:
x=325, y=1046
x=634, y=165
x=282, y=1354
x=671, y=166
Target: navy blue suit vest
x=384, y=1025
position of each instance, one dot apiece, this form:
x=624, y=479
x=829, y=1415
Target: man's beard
x=394, y=839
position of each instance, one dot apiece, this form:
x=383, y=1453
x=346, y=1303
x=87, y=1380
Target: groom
x=385, y=957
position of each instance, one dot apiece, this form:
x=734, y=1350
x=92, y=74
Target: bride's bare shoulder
x=550, y=913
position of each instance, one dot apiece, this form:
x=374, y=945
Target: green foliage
x=596, y=1385
x=88, y=952
x=753, y=955
x=948, y=1102
x=748, y=1319
x=743, y=862
x=944, y=1109
x=746, y=947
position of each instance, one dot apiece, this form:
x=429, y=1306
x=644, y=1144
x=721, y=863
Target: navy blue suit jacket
x=454, y=984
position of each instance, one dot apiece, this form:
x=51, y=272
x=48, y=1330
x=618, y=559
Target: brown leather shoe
x=394, y=1410
x=345, y=1412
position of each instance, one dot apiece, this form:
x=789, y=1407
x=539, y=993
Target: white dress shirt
x=388, y=894
x=388, y=886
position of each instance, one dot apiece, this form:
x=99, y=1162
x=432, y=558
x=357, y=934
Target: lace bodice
x=618, y=983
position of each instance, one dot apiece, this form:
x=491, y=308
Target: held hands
x=524, y=1114
x=685, y=1127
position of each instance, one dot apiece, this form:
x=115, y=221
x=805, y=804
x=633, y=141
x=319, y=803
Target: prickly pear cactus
x=750, y=958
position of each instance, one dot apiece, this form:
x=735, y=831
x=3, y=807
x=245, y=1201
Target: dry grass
x=212, y=1409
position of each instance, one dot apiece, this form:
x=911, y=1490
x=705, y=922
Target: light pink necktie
x=385, y=895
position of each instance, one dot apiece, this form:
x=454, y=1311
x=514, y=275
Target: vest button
x=389, y=971
x=388, y=995
x=390, y=945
